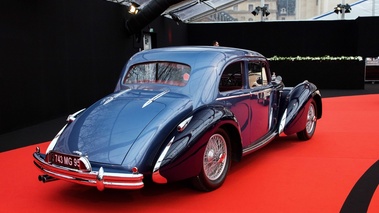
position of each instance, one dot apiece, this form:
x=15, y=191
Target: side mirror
x=277, y=80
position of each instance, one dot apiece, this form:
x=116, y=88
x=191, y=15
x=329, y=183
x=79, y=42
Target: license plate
x=70, y=161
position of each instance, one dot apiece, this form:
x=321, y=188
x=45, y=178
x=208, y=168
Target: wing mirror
x=276, y=79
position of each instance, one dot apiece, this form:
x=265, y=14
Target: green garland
x=321, y=58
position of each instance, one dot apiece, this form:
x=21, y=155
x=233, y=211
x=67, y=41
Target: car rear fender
x=182, y=156
x=294, y=101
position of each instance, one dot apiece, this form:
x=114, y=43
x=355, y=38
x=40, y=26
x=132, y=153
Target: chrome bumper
x=99, y=179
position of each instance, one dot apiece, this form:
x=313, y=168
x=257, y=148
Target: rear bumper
x=99, y=179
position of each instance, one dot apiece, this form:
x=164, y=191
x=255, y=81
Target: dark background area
x=59, y=56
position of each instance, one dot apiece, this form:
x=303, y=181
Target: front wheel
x=310, y=125
x=216, y=162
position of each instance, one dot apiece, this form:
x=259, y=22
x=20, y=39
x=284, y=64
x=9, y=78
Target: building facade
x=279, y=10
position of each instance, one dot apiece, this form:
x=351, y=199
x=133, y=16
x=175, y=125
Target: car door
x=261, y=102
x=235, y=95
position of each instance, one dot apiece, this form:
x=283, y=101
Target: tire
x=215, y=162
x=310, y=125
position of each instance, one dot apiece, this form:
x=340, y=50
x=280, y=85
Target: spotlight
x=256, y=11
x=338, y=8
x=347, y=8
x=133, y=9
x=264, y=10
x=342, y=7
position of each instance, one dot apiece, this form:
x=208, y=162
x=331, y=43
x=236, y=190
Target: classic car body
x=179, y=113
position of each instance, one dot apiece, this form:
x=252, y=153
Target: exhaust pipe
x=46, y=178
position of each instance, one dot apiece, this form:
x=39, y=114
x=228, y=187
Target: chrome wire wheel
x=310, y=124
x=216, y=160
x=311, y=119
x=215, y=156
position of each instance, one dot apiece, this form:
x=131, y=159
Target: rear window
x=170, y=73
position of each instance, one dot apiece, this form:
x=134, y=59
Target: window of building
x=283, y=11
x=251, y=7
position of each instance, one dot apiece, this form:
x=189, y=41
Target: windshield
x=170, y=73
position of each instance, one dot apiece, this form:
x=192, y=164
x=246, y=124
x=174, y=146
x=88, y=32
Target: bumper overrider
x=100, y=179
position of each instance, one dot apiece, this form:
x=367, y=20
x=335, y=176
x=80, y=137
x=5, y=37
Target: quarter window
x=231, y=78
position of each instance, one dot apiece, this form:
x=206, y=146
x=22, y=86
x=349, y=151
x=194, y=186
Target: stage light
x=255, y=12
x=342, y=8
x=347, y=8
x=338, y=8
x=264, y=10
x=133, y=9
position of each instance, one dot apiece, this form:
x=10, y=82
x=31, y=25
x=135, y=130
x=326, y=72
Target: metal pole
x=343, y=10
x=373, y=7
x=262, y=5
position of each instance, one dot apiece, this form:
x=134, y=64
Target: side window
x=257, y=74
x=231, y=78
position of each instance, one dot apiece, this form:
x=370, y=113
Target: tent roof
x=188, y=10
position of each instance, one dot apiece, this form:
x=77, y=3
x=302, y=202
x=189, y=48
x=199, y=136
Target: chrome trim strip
x=99, y=179
x=114, y=96
x=163, y=154
x=259, y=144
x=151, y=100
x=184, y=124
x=157, y=177
x=54, y=141
x=233, y=96
x=244, y=94
x=72, y=117
x=270, y=118
x=283, y=122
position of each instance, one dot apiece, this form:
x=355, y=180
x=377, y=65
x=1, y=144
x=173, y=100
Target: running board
x=260, y=144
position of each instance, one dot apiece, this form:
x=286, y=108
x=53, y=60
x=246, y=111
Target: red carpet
x=335, y=170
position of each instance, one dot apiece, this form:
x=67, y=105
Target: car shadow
x=277, y=145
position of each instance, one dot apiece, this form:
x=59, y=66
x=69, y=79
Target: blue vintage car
x=179, y=113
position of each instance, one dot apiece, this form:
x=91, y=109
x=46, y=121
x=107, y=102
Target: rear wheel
x=216, y=162
x=310, y=125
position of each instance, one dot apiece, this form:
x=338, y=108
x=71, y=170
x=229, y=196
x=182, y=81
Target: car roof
x=206, y=64
x=191, y=55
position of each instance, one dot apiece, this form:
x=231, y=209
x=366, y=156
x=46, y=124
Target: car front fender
x=295, y=103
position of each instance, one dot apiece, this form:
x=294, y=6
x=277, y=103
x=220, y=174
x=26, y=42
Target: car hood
x=107, y=131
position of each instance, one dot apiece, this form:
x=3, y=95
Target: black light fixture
x=264, y=10
x=342, y=8
x=258, y=9
x=347, y=8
